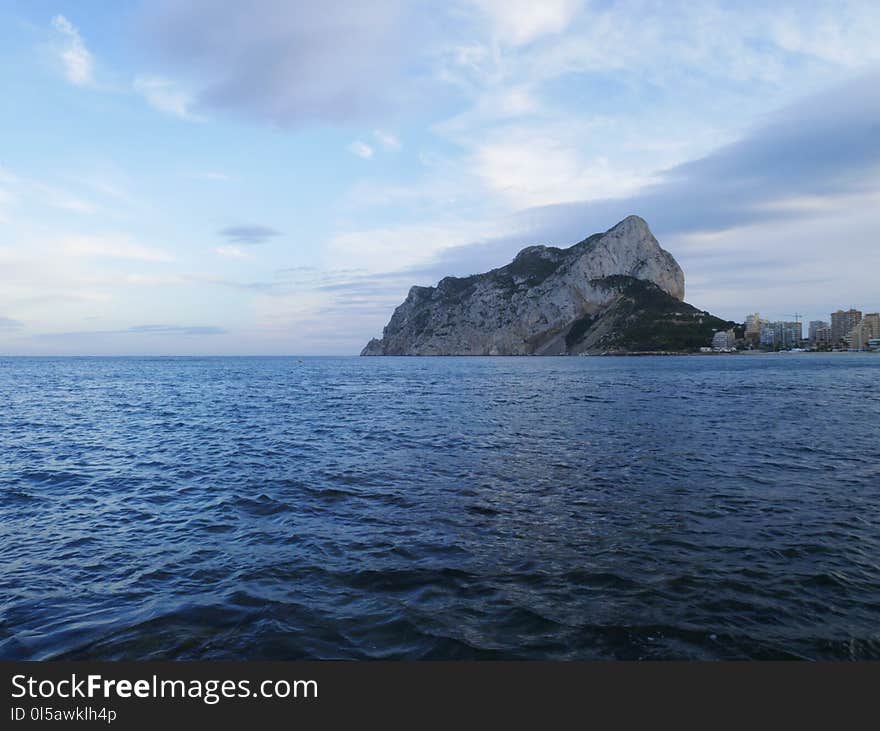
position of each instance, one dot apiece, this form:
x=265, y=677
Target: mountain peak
x=632, y=222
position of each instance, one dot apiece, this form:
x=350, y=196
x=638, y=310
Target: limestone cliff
x=548, y=301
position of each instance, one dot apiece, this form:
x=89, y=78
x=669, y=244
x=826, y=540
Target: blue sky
x=271, y=177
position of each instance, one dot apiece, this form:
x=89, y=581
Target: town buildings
x=847, y=329
x=781, y=335
x=823, y=337
x=842, y=322
x=866, y=330
x=815, y=327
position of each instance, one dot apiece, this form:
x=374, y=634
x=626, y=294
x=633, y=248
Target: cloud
x=165, y=95
x=62, y=199
x=259, y=287
x=531, y=167
x=184, y=330
x=232, y=252
x=108, y=184
x=211, y=175
x=406, y=245
x=558, y=89
x=76, y=60
x=6, y=195
x=112, y=246
x=176, y=329
x=761, y=43
x=295, y=270
x=287, y=281
x=282, y=61
x=30, y=191
x=825, y=146
x=7, y=323
x=519, y=22
x=361, y=149
x=387, y=140
x=248, y=234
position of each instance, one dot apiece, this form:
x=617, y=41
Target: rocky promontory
x=617, y=291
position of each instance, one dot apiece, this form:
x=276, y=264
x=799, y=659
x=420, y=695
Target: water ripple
x=561, y=508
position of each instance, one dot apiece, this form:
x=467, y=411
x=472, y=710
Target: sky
x=272, y=177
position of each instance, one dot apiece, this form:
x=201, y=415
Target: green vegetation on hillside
x=645, y=318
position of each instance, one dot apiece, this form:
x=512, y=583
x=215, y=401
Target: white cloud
x=5, y=199
x=232, y=252
x=107, y=183
x=165, y=95
x=406, y=245
x=152, y=280
x=544, y=164
x=77, y=61
x=361, y=149
x=112, y=246
x=212, y=175
x=843, y=33
x=29, y=191
x=62, y=199
x=387, y=140
x=519, y=22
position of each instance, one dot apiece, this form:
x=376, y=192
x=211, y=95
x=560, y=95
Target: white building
x=724, y=340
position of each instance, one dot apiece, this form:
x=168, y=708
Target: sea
x=557, y=508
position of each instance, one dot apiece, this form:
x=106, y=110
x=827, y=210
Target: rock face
x=550, y=301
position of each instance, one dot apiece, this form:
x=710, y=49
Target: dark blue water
x=244, y=508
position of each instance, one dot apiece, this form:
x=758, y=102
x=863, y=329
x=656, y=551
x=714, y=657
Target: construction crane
x=797, y=316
